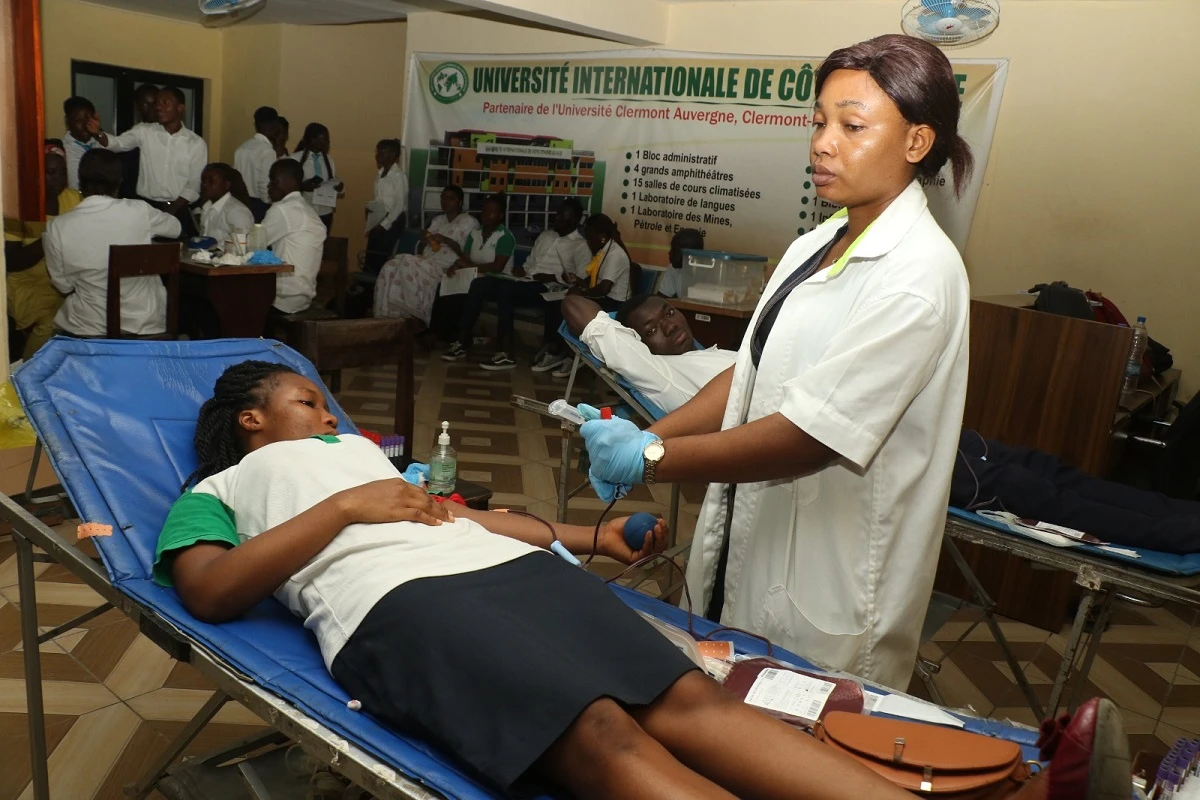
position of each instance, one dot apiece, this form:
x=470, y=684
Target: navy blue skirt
x=495, y=665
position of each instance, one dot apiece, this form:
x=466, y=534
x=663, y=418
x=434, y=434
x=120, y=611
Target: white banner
x=658, y=140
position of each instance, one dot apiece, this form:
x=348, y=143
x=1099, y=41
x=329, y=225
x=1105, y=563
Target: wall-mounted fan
x=950, y=23
x=219, y=13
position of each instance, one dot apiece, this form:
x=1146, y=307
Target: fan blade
x=928, y=22
x=943, y=8
x=974, y=14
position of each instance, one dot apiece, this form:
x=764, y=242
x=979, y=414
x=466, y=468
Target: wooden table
x=241, y=296
x=723, y=326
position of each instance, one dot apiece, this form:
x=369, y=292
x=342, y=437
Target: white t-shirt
x=391, y=192
x=77, y=259
x=670, y=282
x=75, y=150
x=171, y=163
x=253, y=159
x=556, y=255
x=336, y=589
x=296, y=234
x=615, y=268
x=667, y=381
x=220, y=219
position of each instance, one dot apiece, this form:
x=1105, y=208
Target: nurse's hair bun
x=919, y=79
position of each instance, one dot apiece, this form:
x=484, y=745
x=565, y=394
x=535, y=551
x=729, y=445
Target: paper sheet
x=326, y=194
x=908, y=708
x=460, y=281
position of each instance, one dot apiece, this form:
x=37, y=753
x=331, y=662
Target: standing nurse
x=830, y=443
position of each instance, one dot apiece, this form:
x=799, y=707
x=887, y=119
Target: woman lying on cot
x=456, y=624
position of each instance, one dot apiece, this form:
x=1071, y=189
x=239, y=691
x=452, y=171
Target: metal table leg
x=1104, y=610
x=33, y=668
x=1069, y=651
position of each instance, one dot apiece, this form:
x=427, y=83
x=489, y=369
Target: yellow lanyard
x=840, y=264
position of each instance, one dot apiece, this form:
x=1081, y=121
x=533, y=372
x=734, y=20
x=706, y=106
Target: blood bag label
x=790, y=693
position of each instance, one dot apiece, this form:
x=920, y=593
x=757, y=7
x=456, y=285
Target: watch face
x=654, y=451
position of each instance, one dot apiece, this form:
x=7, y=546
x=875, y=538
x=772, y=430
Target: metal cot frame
x=1103, y=581
x=36, y=543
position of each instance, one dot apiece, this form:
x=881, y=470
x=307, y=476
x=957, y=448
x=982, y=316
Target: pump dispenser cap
x=444, y=436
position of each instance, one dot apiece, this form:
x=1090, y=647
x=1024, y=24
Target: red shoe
x=1088, y=754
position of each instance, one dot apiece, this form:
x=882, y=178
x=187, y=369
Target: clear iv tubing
x=641, y=562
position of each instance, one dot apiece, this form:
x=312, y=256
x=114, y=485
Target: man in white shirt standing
x=254, y=158
x=77, y=246
x=650, y=345
x=296, y=234
x=385, y=214
x=172, y=158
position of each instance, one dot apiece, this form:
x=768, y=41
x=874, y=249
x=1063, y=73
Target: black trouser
x=509, y=295
x=187, y=225
x=1034, y=485
x=380, y=244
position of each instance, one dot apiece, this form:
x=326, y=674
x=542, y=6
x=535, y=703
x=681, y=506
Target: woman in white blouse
x=227, y=204
x=385, y=214
x=313, y=155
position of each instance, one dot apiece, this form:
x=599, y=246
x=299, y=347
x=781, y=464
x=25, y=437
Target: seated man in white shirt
x=297, y=235
x=254, y=157
x=650, y=345
x=172, y=158
x=77, y=245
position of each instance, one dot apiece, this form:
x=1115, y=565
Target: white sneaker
x=454, y=352
x=564, y=369
x=547, y=362
x=498, y=362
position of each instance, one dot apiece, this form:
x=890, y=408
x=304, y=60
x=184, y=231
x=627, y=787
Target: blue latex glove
x=417, y=474
x=588, y=412
x=615, y=447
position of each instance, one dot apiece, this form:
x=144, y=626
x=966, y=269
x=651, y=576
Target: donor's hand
x=390, y=500
x=612, y=541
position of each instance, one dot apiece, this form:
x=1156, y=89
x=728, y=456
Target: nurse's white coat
x=872, y=361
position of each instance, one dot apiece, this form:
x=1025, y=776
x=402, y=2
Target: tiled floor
x=114, y=700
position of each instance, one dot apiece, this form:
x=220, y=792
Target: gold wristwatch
x=653, y=454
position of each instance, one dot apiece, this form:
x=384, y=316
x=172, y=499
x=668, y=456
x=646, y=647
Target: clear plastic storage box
x=719, y=278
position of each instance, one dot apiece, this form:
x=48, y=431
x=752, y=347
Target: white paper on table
x=901, y=706
x=326, y=194
x=554, y=296
x=460, y=281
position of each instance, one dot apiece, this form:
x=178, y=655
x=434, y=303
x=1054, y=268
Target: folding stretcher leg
x=31, y=478
x=988, y=605
x=33, y=668
x=145, y=785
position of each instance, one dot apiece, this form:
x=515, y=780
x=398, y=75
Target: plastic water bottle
x=257, y=238
x=1133, y=367
x=443, y=464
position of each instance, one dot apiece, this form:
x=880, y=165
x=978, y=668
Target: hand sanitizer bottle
x=443, y=464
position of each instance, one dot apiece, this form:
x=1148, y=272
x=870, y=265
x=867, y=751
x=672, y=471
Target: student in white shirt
x=313, y=155
x=650, y=345
x=225, y=208
x=296, y=235
x=254, y=157
x=385, y=214
x=172, y=158
x=77, y=245
x=831, y=442
x=670, y=282
x=557, y=252
x=80, y=117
